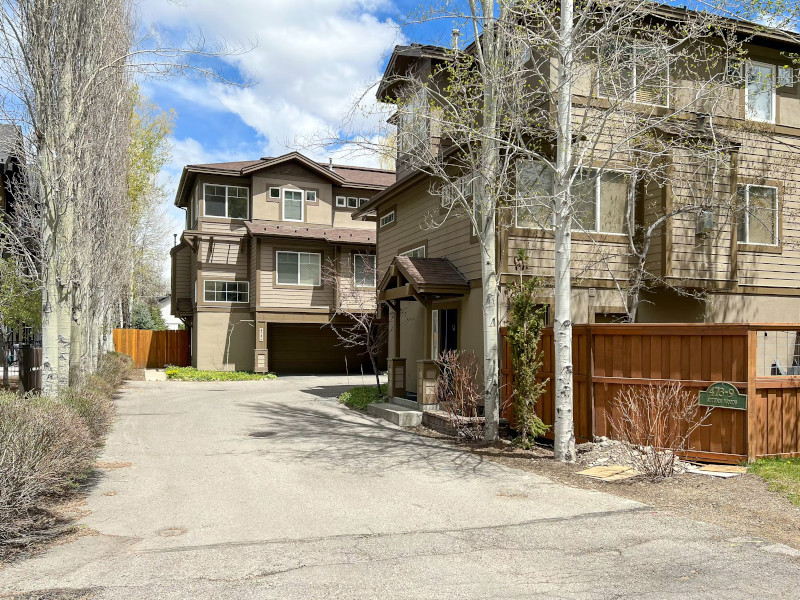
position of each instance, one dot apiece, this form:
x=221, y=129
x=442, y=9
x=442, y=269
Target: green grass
x=192, y=374
x=783, y=475
x=362, y=396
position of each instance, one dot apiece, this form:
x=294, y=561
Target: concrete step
x=399, y=415
x=404, y=402
x=412, y=404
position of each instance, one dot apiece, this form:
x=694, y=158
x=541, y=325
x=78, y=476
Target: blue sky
x=309, y=60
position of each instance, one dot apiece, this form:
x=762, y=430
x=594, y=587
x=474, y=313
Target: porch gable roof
x=411, y=278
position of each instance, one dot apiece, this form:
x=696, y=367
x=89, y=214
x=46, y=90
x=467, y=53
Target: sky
x=305, y=63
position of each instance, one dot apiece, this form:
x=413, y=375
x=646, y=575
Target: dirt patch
x=744, y=505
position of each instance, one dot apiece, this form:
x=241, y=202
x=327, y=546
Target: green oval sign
x=723, y=395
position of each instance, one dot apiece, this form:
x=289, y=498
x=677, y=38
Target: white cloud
x=311, y=61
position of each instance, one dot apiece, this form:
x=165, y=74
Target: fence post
x=752, y=366
x=590, y=378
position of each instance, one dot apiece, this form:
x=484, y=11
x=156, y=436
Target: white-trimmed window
x=600, y=199
x=758, y=221
x=364, y=270
x=387, y=219
x=460, y=188
x=311, y=195
x=638, y=72
x=275, y=193
x=299, y=268
x=786, y=77
x=534, y=187
x=352, y=202
x=292, y=205
x=413, y=132
x=227, y=201
x=362, y=201
x=226, y=291
x=759, y=92
x=341, y=201
x=418, y=252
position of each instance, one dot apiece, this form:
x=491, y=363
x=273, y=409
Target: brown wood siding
x=453, y=240
x=280, y=296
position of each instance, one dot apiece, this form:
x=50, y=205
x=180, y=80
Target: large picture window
x=228, y=201
x=292, y=205
x=759, y=92
x=758, y=222
x=364, y=270
x=299, y=268
x=413, y=132
x=600, y=200
x=226, y=291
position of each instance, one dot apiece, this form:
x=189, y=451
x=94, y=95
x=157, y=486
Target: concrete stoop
x=403, y=415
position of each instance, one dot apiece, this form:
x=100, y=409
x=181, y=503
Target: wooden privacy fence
x=609, y=358
x=154, y=349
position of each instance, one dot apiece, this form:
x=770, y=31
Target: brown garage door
x=311, y=349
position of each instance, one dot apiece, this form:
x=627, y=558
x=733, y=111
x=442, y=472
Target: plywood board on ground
x=610, y=472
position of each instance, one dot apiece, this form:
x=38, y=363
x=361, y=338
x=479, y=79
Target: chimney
x=330, y=163
x=174, y=239
x=454, y=40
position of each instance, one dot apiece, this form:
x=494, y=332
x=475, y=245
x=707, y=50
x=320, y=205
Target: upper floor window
x=299, y=268
x=413, y=131
x=599, y=201
x=759, y=92
x=534, y=195
x=461, y=188
x=387, y=219
x=364, y=270
x=638, y=72
x=226, y=291
x=311, y=195
x=758, y=222
x=226, y=201
x=292, y=205
x=418, y=252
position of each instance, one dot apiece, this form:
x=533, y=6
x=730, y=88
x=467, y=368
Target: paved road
x=272, y=490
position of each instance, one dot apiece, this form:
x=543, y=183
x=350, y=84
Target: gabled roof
x=409, y=278
x=339, y=235
x=339, y=175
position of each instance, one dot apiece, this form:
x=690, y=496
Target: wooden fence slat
x=154, y=349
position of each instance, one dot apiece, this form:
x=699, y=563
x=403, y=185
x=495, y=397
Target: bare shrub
x=655, y=422
x=460, y=392
x=44, y=448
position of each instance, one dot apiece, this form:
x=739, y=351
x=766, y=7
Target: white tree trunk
x=564, y=426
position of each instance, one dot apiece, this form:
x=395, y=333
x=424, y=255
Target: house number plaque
x=723, y=395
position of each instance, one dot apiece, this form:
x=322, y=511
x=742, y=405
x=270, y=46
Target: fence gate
x=154, y=349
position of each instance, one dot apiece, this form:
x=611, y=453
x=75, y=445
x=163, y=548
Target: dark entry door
x=448, y=330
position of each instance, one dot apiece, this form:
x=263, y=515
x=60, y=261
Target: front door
x=448, y=330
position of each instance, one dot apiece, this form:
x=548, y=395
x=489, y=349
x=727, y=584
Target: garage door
x=311, y=349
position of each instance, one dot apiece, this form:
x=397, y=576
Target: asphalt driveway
x=273, y=490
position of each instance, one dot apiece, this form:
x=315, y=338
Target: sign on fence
x=723, y=395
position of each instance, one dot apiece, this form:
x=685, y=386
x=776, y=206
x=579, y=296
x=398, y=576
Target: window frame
x=226, y=281
x=597, y=200
x=774, y=100
x=343, y=203
x=407, y=253
x=227, y=203
x=270, y=196
x=634, y=77
x=517, y=204
x=374, y=269
x=354, y=204
x=298, y=284
x=314, y=192
x=776, y=210
x=383, y=223
x=302, y=205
